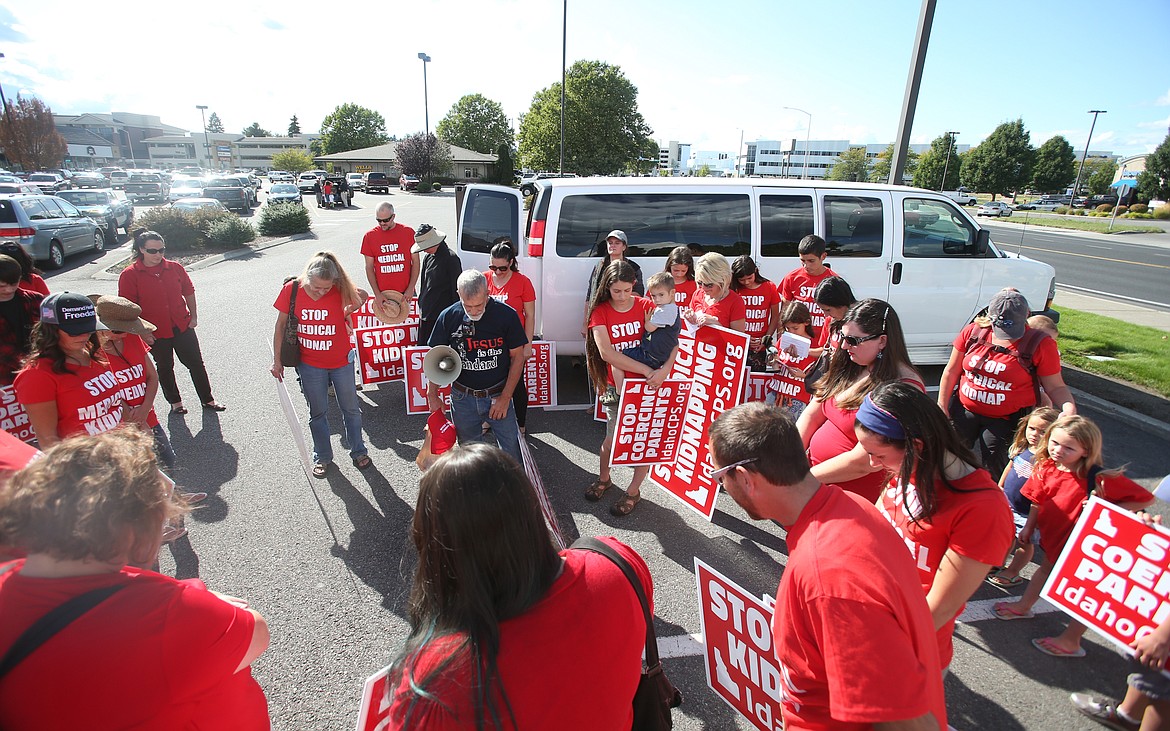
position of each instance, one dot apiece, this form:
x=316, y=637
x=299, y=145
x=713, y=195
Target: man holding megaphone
x=483, y=361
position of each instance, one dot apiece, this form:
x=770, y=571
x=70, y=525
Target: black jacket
x=436, y=289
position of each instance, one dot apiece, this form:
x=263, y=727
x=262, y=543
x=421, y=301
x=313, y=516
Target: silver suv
x=48, y=227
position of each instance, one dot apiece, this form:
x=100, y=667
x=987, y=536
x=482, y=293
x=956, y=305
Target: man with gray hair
x=389, y=263
x=490, y=342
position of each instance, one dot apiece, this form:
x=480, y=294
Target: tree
x=213, y=124
x=1002, y=163
x=352, y=127
x=476, y=123
x=704, y=171
x=423, y=155
x=1055, y=167
x=293, y=161
x=294, y=127
x=881, y=166
x=1097, y=175
x=645, y=161
x=852, y=165
x=1154, y=182
x=504, y=170
x=929, y=173
x=604, y=131
x=29, y=137
x=255, y=130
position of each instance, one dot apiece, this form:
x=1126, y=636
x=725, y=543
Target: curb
x=1138, y=408
x=117, y=255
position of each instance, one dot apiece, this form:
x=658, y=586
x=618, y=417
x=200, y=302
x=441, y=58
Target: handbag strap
x=598, y=546
x=51, y=623
x=292, y=301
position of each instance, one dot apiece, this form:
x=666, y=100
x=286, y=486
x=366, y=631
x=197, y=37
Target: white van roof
x=691, y=182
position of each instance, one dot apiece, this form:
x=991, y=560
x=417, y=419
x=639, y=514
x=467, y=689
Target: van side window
x=488, y=215
x=784, y=221
x=935, y=230
x=656, y=223
x=36, y=211
x=853, y=225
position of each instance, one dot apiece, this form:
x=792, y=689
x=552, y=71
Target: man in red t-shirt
x=852, y=630
x=389, y=263
x=799, y=284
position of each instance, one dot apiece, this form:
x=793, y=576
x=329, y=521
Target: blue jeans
x=315, y=385
x=469, y=413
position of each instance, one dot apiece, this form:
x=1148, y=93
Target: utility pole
x=206, y=140
x=426, y=105
x=1085, y=154
x=564, y=62
x=910, y=101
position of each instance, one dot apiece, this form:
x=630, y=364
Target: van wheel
x=99, y=240
x=56, y=255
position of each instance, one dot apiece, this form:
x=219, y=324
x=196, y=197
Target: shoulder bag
x=290, y=347
x=656, y=695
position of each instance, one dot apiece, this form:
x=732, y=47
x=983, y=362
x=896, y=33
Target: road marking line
x=1111, y=295
x=680, y=645
x=1091, y=256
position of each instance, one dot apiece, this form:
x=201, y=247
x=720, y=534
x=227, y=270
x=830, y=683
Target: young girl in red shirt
x=1067, y=461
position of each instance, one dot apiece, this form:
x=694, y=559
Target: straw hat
x=121, y=315
x=395, y=310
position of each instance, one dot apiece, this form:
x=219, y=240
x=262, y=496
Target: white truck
x=962, y=196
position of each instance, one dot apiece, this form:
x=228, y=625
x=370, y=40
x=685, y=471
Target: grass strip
x=1142, y=353
x=1096, y=225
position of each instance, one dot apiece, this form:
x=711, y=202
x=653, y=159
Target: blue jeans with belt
x=469, y=411
x=315, y=385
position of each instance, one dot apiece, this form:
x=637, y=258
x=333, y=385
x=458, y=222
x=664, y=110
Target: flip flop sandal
x=178, y=409
x=320, y=469
x=998, y=580
x=1004, y=611
x=363, y=462
x=625, y=505
x=1050, y=648
x=594, y=492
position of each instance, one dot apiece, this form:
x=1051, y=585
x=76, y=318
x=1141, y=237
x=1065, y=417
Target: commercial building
x=467, y=166
x=673, y=157
x=221, y=151
x=792, y=159
x=719, y=164
x=122, y=138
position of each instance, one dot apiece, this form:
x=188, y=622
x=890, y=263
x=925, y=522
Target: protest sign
x=374, y=714
x=599, y=410
x=294, y=425
x=714, y=360
x=540, y=374
x=757, y=389
x=380, y=351
x=649, y=422
x=416, y=381
x=1113, y=574
x=737, y=647
x=13, y=417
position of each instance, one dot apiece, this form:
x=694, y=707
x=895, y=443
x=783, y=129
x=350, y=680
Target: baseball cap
x=442, y=432
x=73, y=313
x=617, y=233
x=1008, y=312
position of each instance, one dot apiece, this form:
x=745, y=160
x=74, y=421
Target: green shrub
x=284, y=219
x=1104, y=208
x=1139, y=208
x=1162, y=213
x=1079, y=212
x=436, y=186
x=1122, y=209
x=182, y=230
x=1060, y=209
x=230, y=233
x=1131, y=214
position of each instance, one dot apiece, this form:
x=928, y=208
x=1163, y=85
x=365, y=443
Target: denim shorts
x=1150, y=682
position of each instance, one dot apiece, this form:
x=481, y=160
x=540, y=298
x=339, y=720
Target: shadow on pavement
x=219, y=462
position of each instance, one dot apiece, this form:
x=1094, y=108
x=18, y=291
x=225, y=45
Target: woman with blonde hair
x=320, y=301
x=713, y=302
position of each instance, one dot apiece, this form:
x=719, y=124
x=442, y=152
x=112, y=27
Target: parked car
x=1101, y=200
x=1045, y=204
x=232, y=191
x=107, y=170
x=90, y=180
x=284, y=193
x=111, y=210
x=280, y=176
x=528, y=185
x=994, y=208
x=407, y=182
x=48, y=182
x=309, y=182
x=251, y=183
x=194, y=204
x=376, y=182
x=148, y=186
x=48, y=227
x=356, y=181
x=962, y=196
x=185, y=188
x=118, y=179
x=10, y=184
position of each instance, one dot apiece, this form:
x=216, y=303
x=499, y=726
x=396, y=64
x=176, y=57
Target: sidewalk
x=1134, y=313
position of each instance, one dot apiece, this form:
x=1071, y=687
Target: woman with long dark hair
x=167, y=297
x=951, y=513
x=761, y=304
x=490, y=603
x=872, y=352
x=508, y=285
x=30, y=276
x=681, y=265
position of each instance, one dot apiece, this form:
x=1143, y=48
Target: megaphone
x=442, y=365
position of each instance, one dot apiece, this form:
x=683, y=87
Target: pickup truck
x=961, y=196
x=230, y=191
x=147, y=186
x=377, y=182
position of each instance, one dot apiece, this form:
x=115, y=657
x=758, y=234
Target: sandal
x=363, y=462
x=997, y=579
x=178, y=408
x=594, y=492
x=214, y=406
x=625, y=505
x=320, y=469
x=1005, y=611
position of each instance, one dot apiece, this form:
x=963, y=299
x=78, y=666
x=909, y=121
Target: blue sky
x=705, y=70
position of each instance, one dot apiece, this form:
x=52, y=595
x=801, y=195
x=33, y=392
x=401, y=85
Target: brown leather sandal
x=625, y=505
x=594, y=492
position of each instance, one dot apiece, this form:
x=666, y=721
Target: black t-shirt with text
x=484, y=345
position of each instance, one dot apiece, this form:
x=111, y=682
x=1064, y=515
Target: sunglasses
x=853, y=341
x=385, y=220
x=159, y=250
x=499, y=269
x=719, y=474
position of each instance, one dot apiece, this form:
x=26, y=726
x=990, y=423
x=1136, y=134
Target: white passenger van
x=914, y=248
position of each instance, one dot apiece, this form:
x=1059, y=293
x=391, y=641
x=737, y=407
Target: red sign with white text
x=649, y=422
x=540, y=374
x=737, y=648
x=13, y=417
x=374, y=714
x=380, y=351
x=364, y=316
x=416, y=381
x=714, y=360
x=1114, y=574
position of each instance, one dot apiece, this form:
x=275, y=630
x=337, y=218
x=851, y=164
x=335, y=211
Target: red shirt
x=799, y=286
x=603, y=653
x=758, y=306
x=34, y=283
x=624, y=328
x=514, y=293
x=853, y=634
x=159, y=291
x=320, y=326
x=1059, y=495
x=974, y=520
x=14, y=454
x=728, y=310
x=835, y=437
x=128, y=646
x=130, y=370
x=683, y=292
x=995, y=384
x=89, y=399
x=390, y=251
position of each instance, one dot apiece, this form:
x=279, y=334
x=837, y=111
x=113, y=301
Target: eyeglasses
x=159, y=250
x=385, y=220
x=719, y=474
x=853, y=341
x=499, y=269
x=707, y=285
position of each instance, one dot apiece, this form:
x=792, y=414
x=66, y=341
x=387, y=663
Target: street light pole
x=950, y=144
x=564, y=62
x=206, y=140
x=1085, y=154
x=807, y=131
x=3, y=100
x=426, y=105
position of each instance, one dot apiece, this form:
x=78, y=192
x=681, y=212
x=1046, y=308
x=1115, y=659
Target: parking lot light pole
x=426, y=108
x=950, y=143
x=807, y=130
x=1085, y=154
x=206, y=140
x=3, y=100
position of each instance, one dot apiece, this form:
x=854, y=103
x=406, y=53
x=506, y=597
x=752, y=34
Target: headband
x=879, y=421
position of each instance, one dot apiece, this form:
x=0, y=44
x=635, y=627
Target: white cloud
x=1163, y=100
